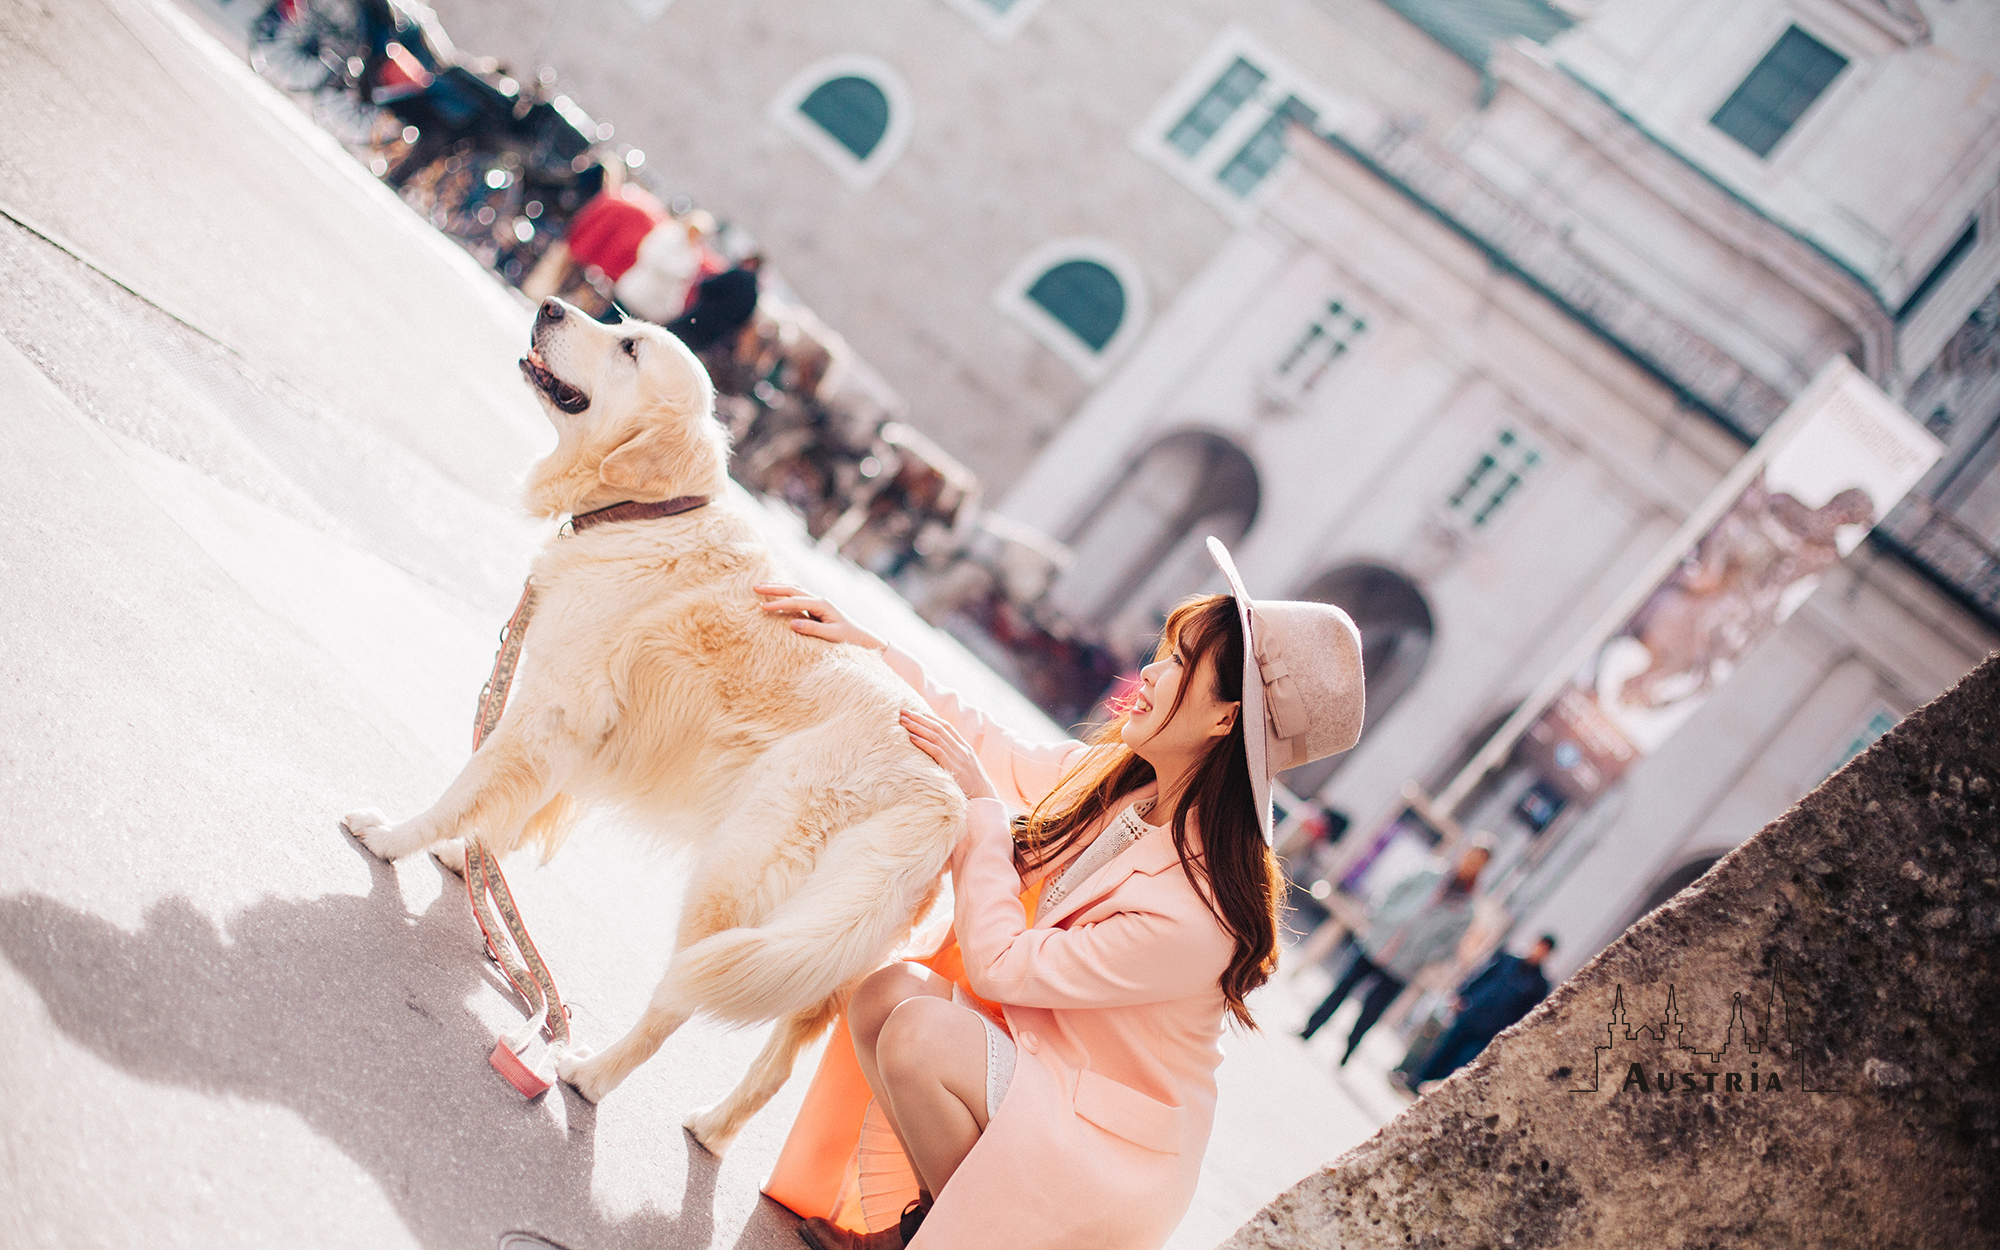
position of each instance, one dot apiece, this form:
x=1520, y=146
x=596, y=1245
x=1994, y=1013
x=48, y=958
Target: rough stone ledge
x=1856, y=939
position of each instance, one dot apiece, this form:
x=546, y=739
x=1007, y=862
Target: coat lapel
x=1150, y=854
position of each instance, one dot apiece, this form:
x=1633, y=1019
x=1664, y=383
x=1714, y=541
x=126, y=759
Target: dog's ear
x=653, y=461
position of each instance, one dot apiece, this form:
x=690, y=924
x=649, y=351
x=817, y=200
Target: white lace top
x=1124, y=829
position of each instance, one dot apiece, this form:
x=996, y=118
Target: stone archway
x=1671, y=884
x=1140, y=550
x=1396, y=628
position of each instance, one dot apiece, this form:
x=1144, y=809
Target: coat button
x=1029, y=1043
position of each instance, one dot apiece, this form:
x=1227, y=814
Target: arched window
x=1080, y=297
x=853, y=112
x=851, y=109
x=1395, y=625
x=1000, y=19
x=1086, y=297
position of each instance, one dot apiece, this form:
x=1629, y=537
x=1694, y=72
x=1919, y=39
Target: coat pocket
x=1124, y=1112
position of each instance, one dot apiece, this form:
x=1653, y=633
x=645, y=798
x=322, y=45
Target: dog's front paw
x=451, y=854
x=712, y=1128
x=388, y=841
x=371, y=829
x=587, y=1073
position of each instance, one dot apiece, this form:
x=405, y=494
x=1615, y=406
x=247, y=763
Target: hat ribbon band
x=1286, y=709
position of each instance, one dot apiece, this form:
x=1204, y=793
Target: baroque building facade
x=1448, y=311
x=1466, y=373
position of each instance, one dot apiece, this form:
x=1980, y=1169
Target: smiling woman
x=1061, y=1041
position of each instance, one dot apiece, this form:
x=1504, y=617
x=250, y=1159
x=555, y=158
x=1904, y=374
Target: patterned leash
x=486, y=887
x=485, y=884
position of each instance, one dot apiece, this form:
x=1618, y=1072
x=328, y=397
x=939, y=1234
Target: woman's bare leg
x=868, y=1010
x=931, y=1055
x=925, y=1060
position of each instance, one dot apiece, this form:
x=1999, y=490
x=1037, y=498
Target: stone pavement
x=257, y=533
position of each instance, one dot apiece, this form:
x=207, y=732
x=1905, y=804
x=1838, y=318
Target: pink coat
x=1115, y=1003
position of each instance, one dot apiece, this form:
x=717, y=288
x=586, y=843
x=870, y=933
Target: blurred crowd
x=531, y=185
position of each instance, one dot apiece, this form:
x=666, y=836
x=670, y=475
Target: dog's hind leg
x=505, y=784
x=715, y=1127
x=594, y=1076
x=703, y=914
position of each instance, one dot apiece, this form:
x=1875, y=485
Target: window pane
x=1086, y=297
x=1779, y=91
x=1236, y=85
x=1498, y=473
x=1262, y=152
x=853, y=110
x=1323, y=342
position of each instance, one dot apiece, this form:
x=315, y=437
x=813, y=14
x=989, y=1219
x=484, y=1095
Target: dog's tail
x=856, y=905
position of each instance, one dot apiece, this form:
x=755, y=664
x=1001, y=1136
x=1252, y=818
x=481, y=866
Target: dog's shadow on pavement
x=304, y=1004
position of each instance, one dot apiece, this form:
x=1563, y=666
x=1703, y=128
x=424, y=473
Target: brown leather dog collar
x=629, y=511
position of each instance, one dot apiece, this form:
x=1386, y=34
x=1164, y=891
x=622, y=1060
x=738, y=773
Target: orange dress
x=1115, y=1004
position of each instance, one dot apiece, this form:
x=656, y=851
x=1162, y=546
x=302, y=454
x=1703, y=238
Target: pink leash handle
x=486, y=887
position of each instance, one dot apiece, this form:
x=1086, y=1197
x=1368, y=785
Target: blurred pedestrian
x=1418, y=924
x=722, y=306
x=1506, y=989
x=605, y=235
x=672, y=259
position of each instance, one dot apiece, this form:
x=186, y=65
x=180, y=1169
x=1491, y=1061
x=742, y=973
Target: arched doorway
x=1396, y=628
x=1141, y=550
x=1671, y=884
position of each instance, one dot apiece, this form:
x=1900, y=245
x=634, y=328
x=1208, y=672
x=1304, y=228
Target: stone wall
x=1851, y=951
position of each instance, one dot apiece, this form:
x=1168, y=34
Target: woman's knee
x=877, y=996
x=918, y=1032
x=929, y=1047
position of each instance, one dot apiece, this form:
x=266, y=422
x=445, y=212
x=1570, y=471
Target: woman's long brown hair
x=1233, y=872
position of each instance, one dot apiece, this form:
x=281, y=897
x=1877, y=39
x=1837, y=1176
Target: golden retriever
x=653, y=681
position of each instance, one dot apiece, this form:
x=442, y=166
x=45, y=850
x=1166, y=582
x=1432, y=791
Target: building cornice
x=1700, y=374
x=1738, y=223
x=1900, y=20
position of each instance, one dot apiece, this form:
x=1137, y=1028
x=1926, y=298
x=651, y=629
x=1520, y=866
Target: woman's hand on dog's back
x=935, y=736
x=814, y=616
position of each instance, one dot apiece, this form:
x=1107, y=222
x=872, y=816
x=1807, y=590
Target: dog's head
x=633, y=411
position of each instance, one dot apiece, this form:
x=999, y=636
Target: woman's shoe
x=825, y=1235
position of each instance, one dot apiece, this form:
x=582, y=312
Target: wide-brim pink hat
x=1302, y=682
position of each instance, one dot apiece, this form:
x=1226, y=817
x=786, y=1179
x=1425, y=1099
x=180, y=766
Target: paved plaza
x=264, y=436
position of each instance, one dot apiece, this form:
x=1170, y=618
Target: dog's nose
x=551, y=310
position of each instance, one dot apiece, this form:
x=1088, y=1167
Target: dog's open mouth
x=564, y=396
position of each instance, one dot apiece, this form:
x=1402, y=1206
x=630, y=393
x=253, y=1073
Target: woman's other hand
x=814, y=616
x=942, y=743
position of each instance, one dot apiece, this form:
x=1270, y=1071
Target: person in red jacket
x=605, y=233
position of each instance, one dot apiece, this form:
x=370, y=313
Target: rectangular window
x=1493, y=478
x=1323, y=341
x=1221, y=131
x=1265, y=149
x=1238, y=83
x=1793, y=74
